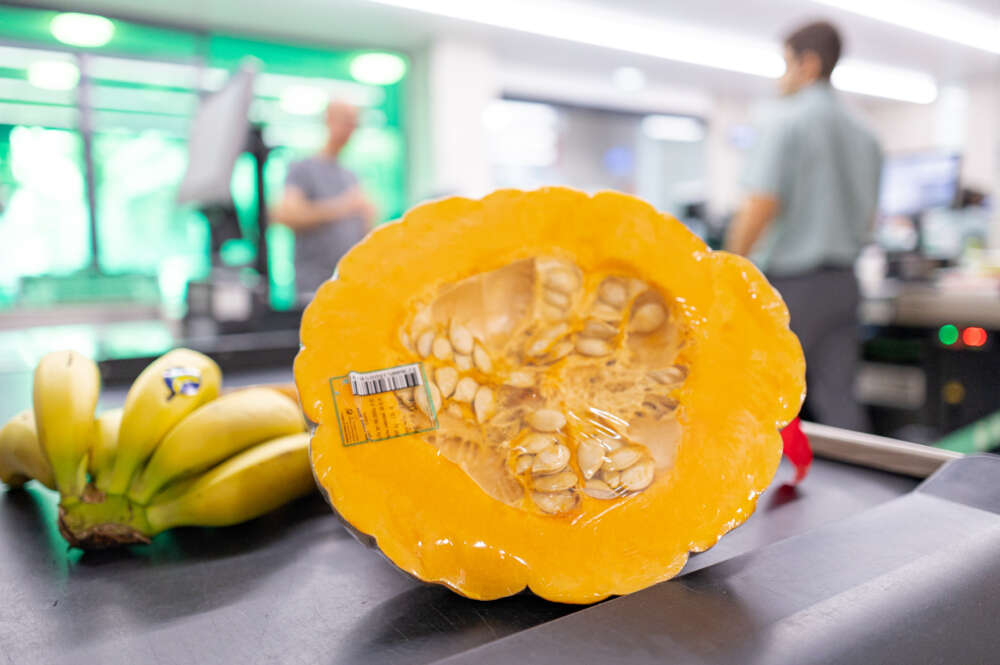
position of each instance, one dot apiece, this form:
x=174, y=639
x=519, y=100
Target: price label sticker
x=380, y=405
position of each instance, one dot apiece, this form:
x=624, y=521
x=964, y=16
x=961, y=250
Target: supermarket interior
x=189, y=173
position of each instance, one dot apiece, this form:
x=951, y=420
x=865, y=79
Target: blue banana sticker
x=182, y=381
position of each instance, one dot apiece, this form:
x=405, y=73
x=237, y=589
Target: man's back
x=823, y=166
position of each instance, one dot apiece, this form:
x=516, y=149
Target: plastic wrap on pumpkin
x=545, y=390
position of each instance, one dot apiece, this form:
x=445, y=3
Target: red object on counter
x=797, y=449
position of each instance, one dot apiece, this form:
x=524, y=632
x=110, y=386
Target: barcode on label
x=384, y=380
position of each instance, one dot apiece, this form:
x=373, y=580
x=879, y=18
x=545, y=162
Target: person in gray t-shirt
x=324, y=205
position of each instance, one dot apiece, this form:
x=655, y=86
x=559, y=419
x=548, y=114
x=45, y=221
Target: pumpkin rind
x=745, y=381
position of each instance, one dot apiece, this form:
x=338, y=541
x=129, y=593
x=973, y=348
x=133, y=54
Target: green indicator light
x=948, y=334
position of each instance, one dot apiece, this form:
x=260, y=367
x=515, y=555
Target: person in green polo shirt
x=812, y=184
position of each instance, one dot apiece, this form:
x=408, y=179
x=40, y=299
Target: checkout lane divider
x=876, y=452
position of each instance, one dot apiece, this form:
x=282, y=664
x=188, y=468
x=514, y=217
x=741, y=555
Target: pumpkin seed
x=465, y=391
x=454, y=410
x=484, y=404
x=605, y=312
x=590, y=456
x=554, y=503
x=669, y=375
x=599, y=489
x=561, y=350
x=599, y=329
x=589, y=346
x=636, y=286
x=482, y=360
x=547, y=420
x=552, y=313
x=647, y=318
x=623, y=458
x=420, y=397
x=547, y=338
x=561, y=280
x=555, y=482
x=442, y=348
x=639, y=476
x=523, y=463
x=404, y=338
x=424, y=343
x=447, y=379
x=520, y=379
x=460, y=337
x=612, y=291
x=612, y=478
x=557, y=299
x=405, y=397
x=551, y=459
x=610, y=443
x=463, y=362
x=536, y=442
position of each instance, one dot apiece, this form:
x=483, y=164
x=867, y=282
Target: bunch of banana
x=177, y=453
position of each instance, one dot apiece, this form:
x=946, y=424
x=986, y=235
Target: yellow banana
x=103, y=443
x=164, y=394
x=67, y=385
x=248, y=485
x=215, y=432
x=21, y=455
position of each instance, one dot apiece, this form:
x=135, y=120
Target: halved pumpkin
x=602, y=393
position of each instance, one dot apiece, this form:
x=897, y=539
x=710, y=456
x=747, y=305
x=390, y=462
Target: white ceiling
x=358, y=22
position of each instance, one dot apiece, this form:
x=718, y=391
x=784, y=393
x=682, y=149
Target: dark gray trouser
x=823, y=304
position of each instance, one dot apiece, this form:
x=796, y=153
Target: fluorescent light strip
x=15, y=57
x=611, y=29
x=148, y=72
x=274, y=85
x=45, y=116
x=661, y=39
x=166, y=102
x=19, y=90
x=944, y=20
x=880, y=81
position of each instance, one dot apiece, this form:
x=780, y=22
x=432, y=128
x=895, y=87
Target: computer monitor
x=916, y=182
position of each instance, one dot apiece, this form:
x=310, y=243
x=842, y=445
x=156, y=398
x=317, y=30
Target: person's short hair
x=822, y=39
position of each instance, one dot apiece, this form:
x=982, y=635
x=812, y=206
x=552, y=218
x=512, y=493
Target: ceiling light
x=53, y=74
x=880, y=81
x=82, y=29
x=662, y=39
x=378, y=68
x=303, y=100
x=623, y=31
x=628, y=79
x=673, y=128
x=940, y=19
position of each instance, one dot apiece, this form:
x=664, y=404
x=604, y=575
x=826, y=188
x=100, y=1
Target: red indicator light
x=973, y=336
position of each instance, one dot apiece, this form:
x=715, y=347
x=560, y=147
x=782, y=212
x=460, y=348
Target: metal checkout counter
x=866, y=561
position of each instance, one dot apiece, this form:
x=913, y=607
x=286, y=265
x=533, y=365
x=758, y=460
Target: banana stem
x=97, y=521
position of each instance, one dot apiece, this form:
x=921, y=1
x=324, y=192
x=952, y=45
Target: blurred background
x=142, y=145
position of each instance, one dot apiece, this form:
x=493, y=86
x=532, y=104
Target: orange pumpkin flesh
x=450, y=506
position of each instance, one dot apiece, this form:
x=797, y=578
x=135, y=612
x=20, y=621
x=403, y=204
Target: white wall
x=462, y=80
x=725, y=160
x=964, y=118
